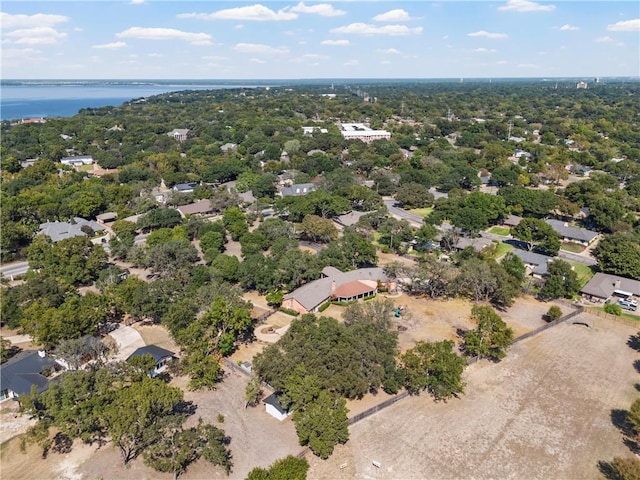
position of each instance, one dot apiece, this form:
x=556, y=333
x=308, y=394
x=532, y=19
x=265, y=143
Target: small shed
x=274, y=408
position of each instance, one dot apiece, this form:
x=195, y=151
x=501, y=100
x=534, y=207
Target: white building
x=77, y=161
x=359, y=131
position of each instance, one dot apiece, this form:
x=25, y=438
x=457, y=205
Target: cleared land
x=543, y=412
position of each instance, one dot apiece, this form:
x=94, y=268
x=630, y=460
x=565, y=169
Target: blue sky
x=147, y=39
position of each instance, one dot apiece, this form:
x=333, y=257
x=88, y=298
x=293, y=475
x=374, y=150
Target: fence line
x=615, y=318
x=578, y=311
x=238, y=368
x=376, y=408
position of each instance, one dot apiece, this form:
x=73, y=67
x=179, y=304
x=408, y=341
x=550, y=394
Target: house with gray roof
x=77, y=161
x=162, y=356
x=185, y=187
x=61, y=230
x=201, y=207
x=336, y=285
x=535, y=263
x=349, y=219
x=478, y=244
x=297, y=190
x=274, y=408
x=25, y=371
x=572, y=234
x=603, y=286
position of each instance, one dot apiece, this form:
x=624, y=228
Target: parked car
x=628, y=305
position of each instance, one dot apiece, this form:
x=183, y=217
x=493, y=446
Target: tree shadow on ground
x=607, y=470
x=634, y=342
x=619, y=420
x=636, y=365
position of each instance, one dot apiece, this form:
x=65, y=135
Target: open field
x=543, y=412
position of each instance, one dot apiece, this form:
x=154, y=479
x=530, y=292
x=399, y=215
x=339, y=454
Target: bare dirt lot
x=543, y=412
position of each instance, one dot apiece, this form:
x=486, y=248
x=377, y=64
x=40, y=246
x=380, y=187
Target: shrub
x=324, y=306
x=289, y=311
x=613, y=309
x=554, y=313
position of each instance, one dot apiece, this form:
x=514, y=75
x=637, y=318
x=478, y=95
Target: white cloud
x=385, y=62
x=322, y=9
x=484, y=50
x=397, y=15
x=35, y=36
x=257, y=60
x=338, y=43
x=313, y=56
x=625, y=26
x=19, y=53
x=258, y=48
x=166, y=34
x=568, y=28
x=528, y=65
x=351, y=63
x=137, y=2
x=389, y=51
x=256, y=13
x=485, y=34
x=525, y=6
x=501, y=62
x=155, y=55
x=110, y=46
x=239, y=27
x=8, y=21
x=608, y=40
x=367, y=29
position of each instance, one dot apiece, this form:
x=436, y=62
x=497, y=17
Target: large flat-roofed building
x=359, y=131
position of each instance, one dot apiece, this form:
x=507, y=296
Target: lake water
x=34, y=99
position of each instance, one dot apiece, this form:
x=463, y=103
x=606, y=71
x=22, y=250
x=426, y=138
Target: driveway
x=128, y=340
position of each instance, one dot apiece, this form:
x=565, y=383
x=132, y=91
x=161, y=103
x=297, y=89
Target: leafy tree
x=434, y=367
x=553, y=314
x=253, y=392
x=322, y=424
x=159, y=218
x=619, y=254
x=613, y=309
x=633, y=418
x=318, y=229
x=562, y=281
x=275, y=298
x=537, y=233
x=414, y=195
x=491, y=337
x=621, y=468
x=514, y=266
x=7, y=350
x=235, y=222
x=288, y=468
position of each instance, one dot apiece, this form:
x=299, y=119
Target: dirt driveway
x=543, y=412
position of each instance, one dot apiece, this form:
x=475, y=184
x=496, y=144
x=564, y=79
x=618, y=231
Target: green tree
x=491, y=337
x=537, y=233
x=414, y=195
x=288, y=468
x=318, y=229
x=619, y=254
x=253, y=392
x=553, y=314
x=434, y=367
x=562, y=281
x=322, y=424
x=621, y=468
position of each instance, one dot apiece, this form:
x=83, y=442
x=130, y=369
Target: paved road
x=10, y=270
x=402, y=214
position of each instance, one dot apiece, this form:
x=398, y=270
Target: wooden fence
x=578, y=310
x=615, y=318
x=376, y=408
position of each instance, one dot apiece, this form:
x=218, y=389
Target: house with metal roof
x=339, y=286
x=535, y=263
x=161, y=355
x=74, y=228
x=297, y=190
x=572, y=234
x=25, y=371
x=201, y=207
x=274, y=408
x=603, y=286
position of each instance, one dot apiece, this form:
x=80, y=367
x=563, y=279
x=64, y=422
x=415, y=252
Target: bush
x=554, y=313
x=613, y=309
x=289, y=311
x=324, y=306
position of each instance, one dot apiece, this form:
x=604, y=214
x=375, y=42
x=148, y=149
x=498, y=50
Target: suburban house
x=24, y=371
x=77, y=161
x=297, y=190
x=535, y=263
x=572, y=234
x=478, y=244
x=160, y=355
x=603, y=286
x=339, y=286
x=179, y=134
x=309, y=131
x=359, y=131
x=201, y=207
x=512, y=221
x=61, y=230
x=185, y=187
x=229, y=147
x=107, y=217
x=274, y=408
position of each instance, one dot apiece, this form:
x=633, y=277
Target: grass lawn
x=573, y=247
x=500, y=230
x=584, y=272
x=423, y=212
x=628, y=316
x=502, y=249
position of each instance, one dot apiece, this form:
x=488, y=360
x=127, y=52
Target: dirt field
x=543, y=412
